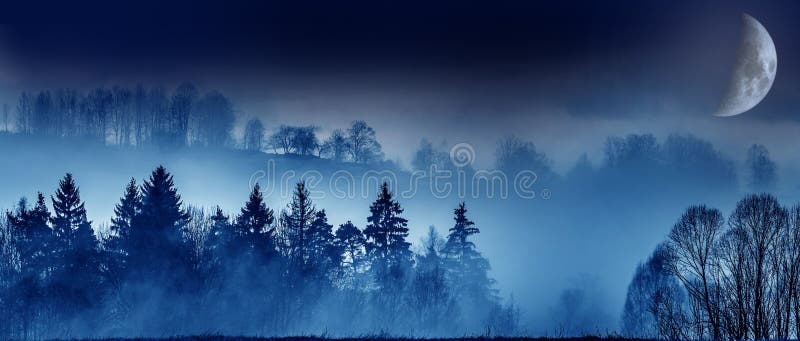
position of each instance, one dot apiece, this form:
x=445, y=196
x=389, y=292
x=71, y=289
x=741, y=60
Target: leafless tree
x=253, y=135
x=762, y=218
x=691, y=245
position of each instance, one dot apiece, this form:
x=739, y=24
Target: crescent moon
x=754, y=72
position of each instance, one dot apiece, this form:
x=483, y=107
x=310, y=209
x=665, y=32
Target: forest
x=164, y=267
x=167, y=269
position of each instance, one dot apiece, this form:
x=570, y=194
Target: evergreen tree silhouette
x=322, y=252
x=77, y=262
x=117, y=245
x=296, y=222
x=157, y=246
x=386, y=244
x=253, y=234
x=349, y=242
x=467, y=269
x=220, y=238
x=124, y=212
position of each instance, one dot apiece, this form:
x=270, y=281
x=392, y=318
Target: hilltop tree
x=364, y=148
x=336, y=146
x=760, y=169
x=282, y=139
x=254, y=135
x=212, y=120
x=514, y=155
x=304, y=140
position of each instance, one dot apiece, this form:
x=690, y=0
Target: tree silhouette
x=386, y=244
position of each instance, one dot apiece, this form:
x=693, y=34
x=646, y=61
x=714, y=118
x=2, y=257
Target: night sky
x=475, y=71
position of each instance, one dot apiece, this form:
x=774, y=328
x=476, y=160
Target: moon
x=754, y=72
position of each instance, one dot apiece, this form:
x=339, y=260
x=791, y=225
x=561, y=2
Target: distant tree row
x=678, y=156
x=151, y=116
x=714, y=278
x=167, y=269
x=129, y=117
x=357, y=143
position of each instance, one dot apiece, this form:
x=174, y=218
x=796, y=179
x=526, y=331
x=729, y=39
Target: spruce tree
x=467, y=269
x=75, y=242
x=253, y=234
x=296, y=223
x=386, y=244
x=157, y=246
x=124, y=212
x=220, y=237
x=34, y=237
x=118, y=243
x=322, y=252
x=68, y=211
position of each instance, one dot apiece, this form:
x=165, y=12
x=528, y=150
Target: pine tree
x=468, y=270
x=386, y=244
x=253, y=230
x=125, y=211
x=220, y=237
x=117, y=245
x=349, y=243
x=296, y=223
x=157, y=247
x=322, y=252
x=68, y=211
x=33, y=237
x=430, y=295
x=75, y=247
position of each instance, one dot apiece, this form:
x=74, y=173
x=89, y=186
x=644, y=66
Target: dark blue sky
x=638, y=41
x=464, y=65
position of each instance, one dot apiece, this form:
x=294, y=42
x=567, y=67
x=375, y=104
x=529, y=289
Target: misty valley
x=382, y=170
x=162, y=266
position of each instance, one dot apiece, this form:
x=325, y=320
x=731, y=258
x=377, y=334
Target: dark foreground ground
x=368, y=338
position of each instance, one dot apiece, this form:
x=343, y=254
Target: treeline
x=166, y=269
x=184, y=117
x=715, y=278
x=678, y=157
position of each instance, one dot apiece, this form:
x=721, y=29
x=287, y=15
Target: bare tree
x=304, y=140
x=282, y=139
x=253, y=135
x=762, y=218
x=364, y=148
x=760, y=168
x=691, y=245
x=732, y=253
x=336, y=146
